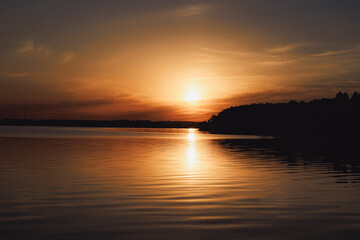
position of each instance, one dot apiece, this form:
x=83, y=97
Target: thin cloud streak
x=28, y=48
x=192, y=10
x=331, y=53
x=287, y=48
x=66, y=57
x=25, y=74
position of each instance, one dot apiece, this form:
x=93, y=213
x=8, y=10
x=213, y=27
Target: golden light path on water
x=191, y=151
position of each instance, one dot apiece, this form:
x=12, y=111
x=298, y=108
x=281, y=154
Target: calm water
x=98, y=183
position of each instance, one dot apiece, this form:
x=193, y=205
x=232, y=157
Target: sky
x=172, y=59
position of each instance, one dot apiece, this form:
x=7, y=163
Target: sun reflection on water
x=191, y=135
x=191, y=151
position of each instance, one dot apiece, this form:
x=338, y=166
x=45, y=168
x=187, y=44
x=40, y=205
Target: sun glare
x=192, y=95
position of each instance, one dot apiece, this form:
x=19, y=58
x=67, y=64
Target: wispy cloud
x=276, y=62
x=287, y=47
x=66, y=57
x=331, y=53
x=289, y=54
x=192, y=10
x=28, y=48
x=7, y=73
x=247, y=58
x=227, y=52
x=11, y=74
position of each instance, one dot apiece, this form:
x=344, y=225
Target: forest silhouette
x=339, y=116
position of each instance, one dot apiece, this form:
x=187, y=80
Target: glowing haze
x=172, y=60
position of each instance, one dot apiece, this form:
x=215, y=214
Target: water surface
x=106, y=183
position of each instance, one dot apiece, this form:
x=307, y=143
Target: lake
x=121, y=183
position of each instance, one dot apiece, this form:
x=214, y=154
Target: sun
x=192, y=95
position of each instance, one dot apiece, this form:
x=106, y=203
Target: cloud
x=11, y=74
x=276, y=62
x=71, y=109
x=331, y=53
x=249, y=59
x=28, y=48
x=44, y=99
x=228, y=52
x=287, y=48
x=24, y=74
x=303, y=56
x=154, y=113
x=192, y=10
x=97, y=109
x=66, y=57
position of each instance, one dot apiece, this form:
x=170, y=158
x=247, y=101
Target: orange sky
x=140, y=59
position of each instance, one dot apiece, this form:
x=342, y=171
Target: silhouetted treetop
x=333, y=116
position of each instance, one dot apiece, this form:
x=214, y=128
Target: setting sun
x=192, y=95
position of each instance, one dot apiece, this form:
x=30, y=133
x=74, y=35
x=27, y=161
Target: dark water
x=78, y=183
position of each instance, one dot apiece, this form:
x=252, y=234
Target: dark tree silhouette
x=335, y=116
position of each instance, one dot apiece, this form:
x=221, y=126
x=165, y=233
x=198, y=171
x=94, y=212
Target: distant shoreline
x=99, y=123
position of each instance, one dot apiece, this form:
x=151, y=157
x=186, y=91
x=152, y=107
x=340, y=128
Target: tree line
x=327, y=116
